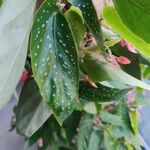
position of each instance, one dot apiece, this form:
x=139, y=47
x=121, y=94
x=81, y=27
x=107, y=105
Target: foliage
x=79, y=72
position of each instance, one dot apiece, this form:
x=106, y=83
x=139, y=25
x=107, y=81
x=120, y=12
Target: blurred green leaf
x=112, y=18
x=1, y=1
x=55, y=60
x=109, y=142
x=95, y=140
x=31, y=111
x=111, y=119
x=134, y=121
x=51, y=135
x=88, y=136
x=15, y=25
x=85, y=130
x=130, y=11
x=90, y=108
x=71, y=125
x=128, y=128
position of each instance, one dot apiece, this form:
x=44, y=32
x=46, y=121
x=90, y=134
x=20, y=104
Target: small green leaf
x=76, y=23
x=85, y=130
x=54, y=60
x=31, y=111
x=134, y=121
x=91, y=19
x=111, y=119
x=100, y=94
x=95, y=140
x=88, y=136
x=90, y=108
x=99, y=69
x=112, y=18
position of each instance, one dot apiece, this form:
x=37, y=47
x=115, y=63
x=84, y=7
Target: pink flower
x=131, y=96
x=114, y=61
x=130, y=47
x=25, y=75
x=123, y=43
x=98, y=6
x=40, y=142
x=123, y=60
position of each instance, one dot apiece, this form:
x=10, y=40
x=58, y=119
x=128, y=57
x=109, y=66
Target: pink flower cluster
x=130, y=47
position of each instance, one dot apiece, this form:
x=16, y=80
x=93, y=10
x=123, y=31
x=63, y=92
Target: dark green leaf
x=31, y=111
x=100, y=94
x=71, y=124
x=91, y=19
x=54, y=60
x=51, y=134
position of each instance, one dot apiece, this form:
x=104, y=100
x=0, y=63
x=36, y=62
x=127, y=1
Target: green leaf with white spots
x=76, y=23
x=88, y=135
x=15, y=25
x=54, y=60
x=91, y=19
x=31, y=111
x=100, y=94
x=85, y=130
x=99, y=69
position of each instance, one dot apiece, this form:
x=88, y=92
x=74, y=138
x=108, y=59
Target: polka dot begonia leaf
x=54, y=60
x=100, y=94
x=91, y=19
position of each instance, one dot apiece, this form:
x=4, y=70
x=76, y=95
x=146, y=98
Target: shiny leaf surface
x=54, y=60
